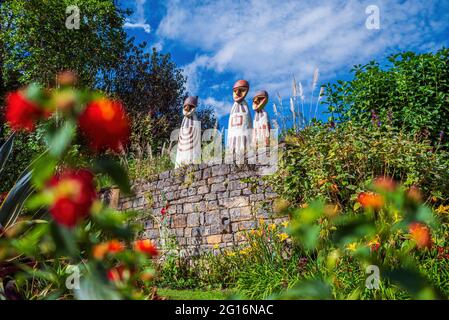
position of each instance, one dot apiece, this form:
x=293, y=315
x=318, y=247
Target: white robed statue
x=189, y=140
x=261, y=124
x=240, y=124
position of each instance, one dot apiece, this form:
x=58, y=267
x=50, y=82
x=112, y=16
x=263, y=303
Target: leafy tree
x=37, y=44
x=411, y=93
x=153, y=90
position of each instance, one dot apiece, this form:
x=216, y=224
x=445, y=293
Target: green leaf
x=353, y=228
x=59, y=139
x=315, y=289
x=414, y=282
x=43, y=169
x=65, y=240
x=5, y=151
x=15, y=200
x=115, y=171
x=28, y=244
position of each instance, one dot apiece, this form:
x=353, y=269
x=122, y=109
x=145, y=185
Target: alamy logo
x=73, y=20
x=373, y=280
x=373, y=20
x=72, y=281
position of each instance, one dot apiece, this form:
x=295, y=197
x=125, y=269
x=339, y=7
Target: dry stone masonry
x=205, y=206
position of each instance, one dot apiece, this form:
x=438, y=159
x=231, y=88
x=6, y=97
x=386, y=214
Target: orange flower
x=146, y=246
x=112, y=247
x=115, y=246
x=105, y=125
x=385, y=184
x=371, y=200
x=100, y=250
x=420, y=233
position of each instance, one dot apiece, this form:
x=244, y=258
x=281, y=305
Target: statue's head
x=189, y=106
x=240, y=90
x=260, y=100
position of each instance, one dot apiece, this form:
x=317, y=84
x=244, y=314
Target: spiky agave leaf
x=15, y=200
x=5, y=151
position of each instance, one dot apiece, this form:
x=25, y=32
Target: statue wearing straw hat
x=239, y=131
x=189, y=140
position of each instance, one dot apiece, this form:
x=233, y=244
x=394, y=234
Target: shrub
x=411, y=93
x=338, y=163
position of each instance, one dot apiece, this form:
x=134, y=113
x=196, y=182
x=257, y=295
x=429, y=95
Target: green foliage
x=26, y=147
x=411, y=93
x=146, y=168
x=33, y=33
x=345, y=248
x=338, y=163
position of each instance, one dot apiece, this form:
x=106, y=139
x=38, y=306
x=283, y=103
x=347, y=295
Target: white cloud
x=146, y=27
x=267, y=42
x=140, y=22
x=221, y=108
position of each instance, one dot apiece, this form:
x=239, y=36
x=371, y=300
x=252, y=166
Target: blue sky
x=268, y=42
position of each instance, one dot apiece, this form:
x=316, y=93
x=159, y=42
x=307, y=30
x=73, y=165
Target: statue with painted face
x=240, y=124
x=261, y=124
x=189, y=140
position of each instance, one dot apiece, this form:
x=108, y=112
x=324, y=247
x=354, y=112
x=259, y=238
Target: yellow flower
x=230, y=253
x=272, y=227
x=261, y=221
x=396, y=216
x=442, y=209
x=374, y=241
x=283, y=236
x=285, y=224
x=352, y=246
x=216, y=246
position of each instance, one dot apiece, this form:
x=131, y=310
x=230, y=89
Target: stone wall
x=206, y=206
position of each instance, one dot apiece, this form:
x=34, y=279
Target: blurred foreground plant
x=393, y=234
x=69, y=244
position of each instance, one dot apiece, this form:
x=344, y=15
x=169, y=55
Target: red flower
x=371, y=200
x=163, y=211
x=22, y=114
x=420, y=233
x=146, y=246
x=375, y=247
x=105, y=125
x=74, y=192
x=442, y=253
x=115, y=246
x=118, y=273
